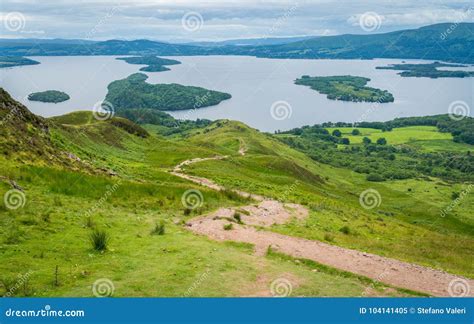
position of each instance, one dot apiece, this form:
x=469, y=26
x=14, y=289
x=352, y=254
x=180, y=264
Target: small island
x=154, y=63
x=346, y=88
x=428, y=70
x=11, y=61
x=53, y=96
x=134, y=93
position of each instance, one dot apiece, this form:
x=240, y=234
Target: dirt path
x=268, y=212
x=243, y=147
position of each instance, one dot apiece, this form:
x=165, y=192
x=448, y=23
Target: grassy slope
x=407, y=225
x=53, y=227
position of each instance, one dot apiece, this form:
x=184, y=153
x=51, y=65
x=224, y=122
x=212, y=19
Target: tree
x=366, y=141
x=336, y=133
x=355, y=132
x=381, y=141
x=345, y=141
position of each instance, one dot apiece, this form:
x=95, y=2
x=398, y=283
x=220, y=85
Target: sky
x=212, y=20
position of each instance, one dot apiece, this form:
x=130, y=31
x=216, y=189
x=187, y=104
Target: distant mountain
x=254, y=41
x=446, y=42
x=39, y=47
x=431, y=42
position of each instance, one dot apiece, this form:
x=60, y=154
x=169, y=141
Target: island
x=154, y=63
x=11, y=61
x=134, y=93
x=346, y=88
x=53, y=96
x=429, y=70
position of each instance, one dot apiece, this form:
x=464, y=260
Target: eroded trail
x=267, y=212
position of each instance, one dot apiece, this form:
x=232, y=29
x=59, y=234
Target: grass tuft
x=159, y=229
x=99, y=240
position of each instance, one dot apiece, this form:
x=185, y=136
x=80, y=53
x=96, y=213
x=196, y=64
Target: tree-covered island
x=346, y=88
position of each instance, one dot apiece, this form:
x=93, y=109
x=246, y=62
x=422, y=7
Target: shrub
x=366, y=141
x=381, y=141
x=355, y=132
x=228, y=227
x=159, y=229
x=375, y=177
x=336, y=133
x=328, y=237
x=99, y=240
x=345, y=141
x=345, y=229
x=238, y=217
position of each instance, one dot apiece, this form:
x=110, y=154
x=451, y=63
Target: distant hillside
x=254, y=41
x=423, y=43
x=430, y=42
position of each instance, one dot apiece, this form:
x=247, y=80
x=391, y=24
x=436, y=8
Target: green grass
x=67, y=201
x=64, y=206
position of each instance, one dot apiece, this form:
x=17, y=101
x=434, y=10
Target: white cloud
x=224, y=19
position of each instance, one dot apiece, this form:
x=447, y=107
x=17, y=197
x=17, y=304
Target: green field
x=397, y=136
x=423, y=138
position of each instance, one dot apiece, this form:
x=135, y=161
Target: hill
x=119, y=182
x=430, y=42
x=422, y=43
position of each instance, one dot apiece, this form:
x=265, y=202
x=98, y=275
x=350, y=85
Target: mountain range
x=453, y=42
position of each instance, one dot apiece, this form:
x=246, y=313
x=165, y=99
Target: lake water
x=255, y=84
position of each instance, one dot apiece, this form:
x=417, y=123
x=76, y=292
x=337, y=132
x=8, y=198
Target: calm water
x=255, y=84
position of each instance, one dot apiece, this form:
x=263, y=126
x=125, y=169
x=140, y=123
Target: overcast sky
x=186, y=20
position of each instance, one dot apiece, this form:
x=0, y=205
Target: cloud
x=223, y=19
x=421, y=17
